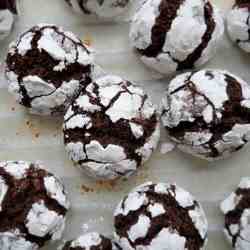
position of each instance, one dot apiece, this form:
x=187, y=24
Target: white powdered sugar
x=238, y=26
x=173, y=240
x=42, y=95
x=16, y=169
x=167, y=147
x=114, y=101
x=87, y=241
x=3, y=191
x=202, y=96
x=106, y=9
x=55, y=190
x=150, y=198
x=140, y=229
x=41, y=221
x=237, y=231
x=156, y=209
x=92, y=240
x=15, y=241
x=179, y=42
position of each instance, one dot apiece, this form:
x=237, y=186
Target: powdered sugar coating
x=238, y=26
x=89, y=241
x=155, y=206
x=42, y=209
x=237, y=214
x=191, y=32
x=15, y=241
x=106, y=9
x=55, y=190
x=206, y=113
x=116, y=106
x=47, y=87
x=41, y=221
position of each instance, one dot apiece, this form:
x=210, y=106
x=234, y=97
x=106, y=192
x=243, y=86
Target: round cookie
x=176, y=35
x=105, y=9
x=46, y=68
x=111, y=129
x=158, y=217
x=236, y=209
x=238, y=24
x=8, y=11
x=90, y=241
x=33, y=206
x=207, y=113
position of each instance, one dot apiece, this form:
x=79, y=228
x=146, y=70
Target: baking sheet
x=32, y=138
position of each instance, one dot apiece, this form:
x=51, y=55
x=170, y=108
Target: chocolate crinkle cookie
x=176, y=35
x=111, y=128
x=8, y=11
x=90, y=241
x=33, y=206
x=46, y=68
x=236, y=209
x=207, y=113
x=104, y=9
x=158, y=217
x=238, y=24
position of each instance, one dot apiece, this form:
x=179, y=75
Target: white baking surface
x=25, y=137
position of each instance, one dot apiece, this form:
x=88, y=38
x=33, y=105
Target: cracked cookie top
x=238, y=24
x=46, y=68
x=208, y=113
x=160, y=216
x=33, y=206
x=100, y=8
x=236, y=209
x=176, y=35
x=90, y=241
x=111, y=128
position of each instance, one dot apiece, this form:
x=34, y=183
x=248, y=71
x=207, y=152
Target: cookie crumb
x=167, y=147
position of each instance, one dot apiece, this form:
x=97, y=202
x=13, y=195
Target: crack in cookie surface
x=10, y=5
x=101, y=8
